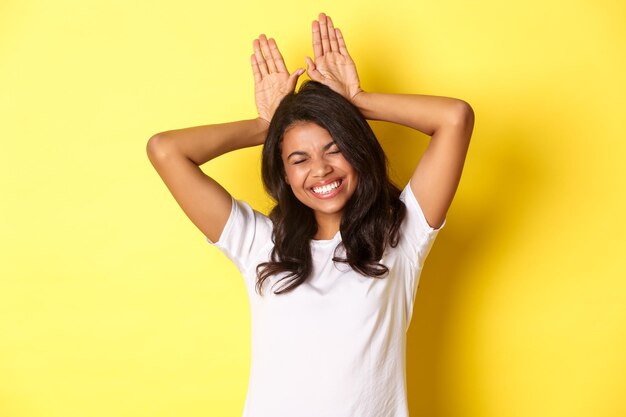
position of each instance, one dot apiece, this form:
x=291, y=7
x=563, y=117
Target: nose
x=321, y=168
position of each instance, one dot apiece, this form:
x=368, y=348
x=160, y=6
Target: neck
x=327, y=226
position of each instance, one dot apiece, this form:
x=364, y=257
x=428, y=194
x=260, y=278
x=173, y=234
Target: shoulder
x=246, y=235
x=416, y=235
x=415, y=211
x=243, y=218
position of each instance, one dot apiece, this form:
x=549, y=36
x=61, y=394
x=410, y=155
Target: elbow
x=463, y=114
x=463, y=117
x=158, y=147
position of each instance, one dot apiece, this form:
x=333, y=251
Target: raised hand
x=272, y=81
x=333, y=66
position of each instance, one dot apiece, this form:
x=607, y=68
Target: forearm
x=200, y=144
x=422, y=112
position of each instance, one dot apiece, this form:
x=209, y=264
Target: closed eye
x=334, y=150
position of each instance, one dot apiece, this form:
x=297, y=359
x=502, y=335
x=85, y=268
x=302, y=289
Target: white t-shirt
x=335, y=345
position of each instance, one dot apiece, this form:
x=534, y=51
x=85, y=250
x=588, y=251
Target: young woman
x=331, y=273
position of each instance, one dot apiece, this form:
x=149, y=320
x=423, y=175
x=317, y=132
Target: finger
x=341, y=42
x=332, y=36
x=324, y=33
x=259, y=57
x=317, y=40
x=311, y=69
x=255, y=69
x=277, y=57
x=265, y=48
x=293, y=78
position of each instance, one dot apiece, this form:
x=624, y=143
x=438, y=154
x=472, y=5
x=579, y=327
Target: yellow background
x=112, y=303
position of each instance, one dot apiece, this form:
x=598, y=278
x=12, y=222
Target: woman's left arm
x=449, y=122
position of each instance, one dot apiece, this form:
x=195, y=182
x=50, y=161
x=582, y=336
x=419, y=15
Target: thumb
x=311, y=69
x=293, y=78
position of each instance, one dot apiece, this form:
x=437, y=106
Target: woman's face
x=319, y=175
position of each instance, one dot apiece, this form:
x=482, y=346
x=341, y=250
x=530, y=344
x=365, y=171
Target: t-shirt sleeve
x=246, y=235
x=417, y=236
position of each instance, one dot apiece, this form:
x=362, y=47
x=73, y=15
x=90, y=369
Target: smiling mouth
x=327, y=189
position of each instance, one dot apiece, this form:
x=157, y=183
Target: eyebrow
x=302, y=153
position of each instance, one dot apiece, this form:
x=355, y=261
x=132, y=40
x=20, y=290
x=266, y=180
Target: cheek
x=291, y=176
x=353, y=174
x=287, y=173
x=347, y=167
x=355, y=182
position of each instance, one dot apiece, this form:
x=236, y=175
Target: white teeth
x=325, y=189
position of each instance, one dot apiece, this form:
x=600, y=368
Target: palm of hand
x=338, y=72
x=333, y=65
x=269, y=92
x=272, y=81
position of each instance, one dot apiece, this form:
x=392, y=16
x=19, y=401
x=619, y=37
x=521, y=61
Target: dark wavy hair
x=371, y=217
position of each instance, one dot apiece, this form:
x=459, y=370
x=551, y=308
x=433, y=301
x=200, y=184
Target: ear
x=287, y=180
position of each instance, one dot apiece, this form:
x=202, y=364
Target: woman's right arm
x=178, y=154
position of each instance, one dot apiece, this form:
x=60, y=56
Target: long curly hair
x=371, y=217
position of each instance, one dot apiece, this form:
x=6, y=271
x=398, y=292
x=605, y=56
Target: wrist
x=262, y=122
x=359, y=100
x=261, y=128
